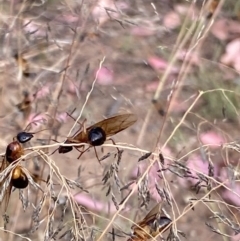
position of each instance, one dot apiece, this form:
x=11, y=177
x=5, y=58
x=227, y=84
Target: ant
x=97, y=134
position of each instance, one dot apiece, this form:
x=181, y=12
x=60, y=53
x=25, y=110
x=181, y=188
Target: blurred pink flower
x=142, y=31
x=157, y=63
x=67, y=18
x=196, y=165
x=171, y=20
x=35, y=28
x=152, y=86
x=225, y=29
x=100, y=14
x=95, y=205
x=187, y=10
x=62, y=117
x=231, y=197
x=232, y=55
x=105, y=76
x=36, y=120
x=153, y=174
x=236, y=237
x=211, y=138
x=177, y=106
x=153, y=177
x=74, y=88
x=43, y=92
x=193, y=58
x=219, y=29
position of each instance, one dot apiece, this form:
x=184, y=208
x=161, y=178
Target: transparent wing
x=151, y=216
x=111, y=126
x=5, y=185
x=115, y=124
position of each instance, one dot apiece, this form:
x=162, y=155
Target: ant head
x=24, y=137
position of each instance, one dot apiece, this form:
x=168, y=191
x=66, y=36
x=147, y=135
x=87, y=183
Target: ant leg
x=56, y=149
x=53, y=152
x=36, y=178
x=72, y=111
x=97, y=155
x=114, y=143
x=81, y=152
x=119, y=153
x=81, y=124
